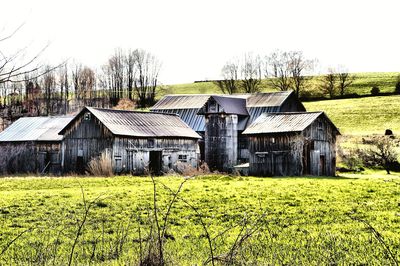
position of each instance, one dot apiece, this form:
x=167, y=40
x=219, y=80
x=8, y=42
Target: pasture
x=352, y=219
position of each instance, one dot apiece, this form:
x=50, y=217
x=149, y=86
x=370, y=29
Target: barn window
x=150, y=143
x=182, y=158
x=87, y=117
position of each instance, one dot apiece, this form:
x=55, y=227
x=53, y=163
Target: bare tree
x=278, y=70
x=298, y=65
x=130, y=65
x=344, y=80
x=230, y=83
x=328, y=83
x=49, y=84
x=251, y=73
x=146, y=77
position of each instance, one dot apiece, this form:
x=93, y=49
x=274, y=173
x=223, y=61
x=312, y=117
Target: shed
x=292, y=144
x=135, y=141
x=32, y=145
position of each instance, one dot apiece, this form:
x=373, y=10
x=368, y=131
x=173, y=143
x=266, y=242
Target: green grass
x=310, y=221
x=362, y=116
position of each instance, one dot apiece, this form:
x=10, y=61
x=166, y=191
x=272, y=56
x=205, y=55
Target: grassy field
x=354, y=219
x=362, y=85
x=362, y=116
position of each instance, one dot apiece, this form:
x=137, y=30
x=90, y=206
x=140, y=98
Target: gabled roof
x=35, y=129
x=269, y=99
x=230, y=105
x=139, y=124
x=284, y=122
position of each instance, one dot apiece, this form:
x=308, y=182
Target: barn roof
x=35, y=129
x=283, y=122
x=140, y=124
x=230, y=105
x=181, y=101
x=188, y=105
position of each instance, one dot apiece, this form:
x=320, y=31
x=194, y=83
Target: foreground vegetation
x=236, y=220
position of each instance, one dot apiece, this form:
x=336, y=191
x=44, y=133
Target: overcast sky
x=193, y=39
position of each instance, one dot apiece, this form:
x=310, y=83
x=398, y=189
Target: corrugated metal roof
x=142, y=124
x=179, y=101
x=269, y=99
x=35, y=129
x=282, y=122
x=187, y=106
x=189, y=116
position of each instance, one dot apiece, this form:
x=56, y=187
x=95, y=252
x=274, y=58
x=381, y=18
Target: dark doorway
x=155, y=162
x=80, y=166
x=322, y=165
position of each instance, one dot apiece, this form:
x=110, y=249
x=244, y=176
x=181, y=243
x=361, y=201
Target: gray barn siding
x=275, y=155
x=30, y=157
x=131, y=155
x=128, y=154
x=87, y=139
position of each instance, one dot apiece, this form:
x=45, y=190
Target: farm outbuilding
x=221, y=119
x=32, y=145
x=292, y=144
x=135, y=141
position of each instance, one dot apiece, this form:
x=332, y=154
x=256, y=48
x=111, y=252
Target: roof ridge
x=129, y=111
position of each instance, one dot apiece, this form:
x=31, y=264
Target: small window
x=150, y=143
x=182, y=158
x=87, y=117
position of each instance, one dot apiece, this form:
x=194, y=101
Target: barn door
x=322, y=165
x=155, y=163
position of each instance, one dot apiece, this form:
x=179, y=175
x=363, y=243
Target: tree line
x=282, y=70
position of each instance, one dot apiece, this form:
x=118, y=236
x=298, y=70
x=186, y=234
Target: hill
x=362, y=85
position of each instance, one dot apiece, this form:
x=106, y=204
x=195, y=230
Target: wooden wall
x=88, y=138
x=132, y=155
x=30, y=157
x=311, y=152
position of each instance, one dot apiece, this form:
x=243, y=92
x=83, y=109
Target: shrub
x=375, y=90
x=101, y=165
x=397, y=86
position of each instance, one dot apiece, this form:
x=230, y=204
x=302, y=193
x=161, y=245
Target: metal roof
x=282, y=122
x=35, y=129
x=188, y=105
x=179, y=101
x=232, y=105
x=268, y=99
x=189, y=116
x=141, y=124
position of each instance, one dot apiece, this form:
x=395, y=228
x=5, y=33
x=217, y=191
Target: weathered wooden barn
x=292, y=144
x=221, y=119
x=135, y=141
x=32, y=145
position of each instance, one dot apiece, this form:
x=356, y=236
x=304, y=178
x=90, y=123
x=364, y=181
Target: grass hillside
x=350, y=220
x=362, y=116
x=362, y=85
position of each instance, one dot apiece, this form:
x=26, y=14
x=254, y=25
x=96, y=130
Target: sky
x=194, y=39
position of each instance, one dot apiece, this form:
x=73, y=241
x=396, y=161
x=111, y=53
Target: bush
x=397, y=87
x=101, y=165
x=375, y=91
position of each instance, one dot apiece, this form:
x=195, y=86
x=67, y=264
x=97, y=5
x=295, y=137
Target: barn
x=221, y=119
x=135, y=141
x=32, y=145
x=292, y=144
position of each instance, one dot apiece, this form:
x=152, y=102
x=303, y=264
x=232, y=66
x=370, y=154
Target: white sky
x=193, y=39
